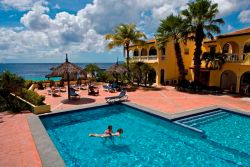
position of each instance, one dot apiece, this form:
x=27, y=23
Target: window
x=136, y=52
x=163, y=51
x=212, y=49
x=152, y=51
x=226, y=48
x=186, y=51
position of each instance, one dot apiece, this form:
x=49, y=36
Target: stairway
x=196, y=120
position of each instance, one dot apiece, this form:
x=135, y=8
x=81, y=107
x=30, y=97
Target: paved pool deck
x=17, y=144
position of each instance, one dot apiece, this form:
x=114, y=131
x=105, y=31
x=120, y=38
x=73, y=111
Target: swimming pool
x=147, y=140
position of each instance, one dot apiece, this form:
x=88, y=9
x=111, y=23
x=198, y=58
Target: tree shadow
x=78, y=101
x=151, y=88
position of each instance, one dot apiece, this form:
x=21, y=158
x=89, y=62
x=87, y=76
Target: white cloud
x=228, y=6
x=244, y=16
x=230, y=27
x=36, y=19
x=20, y=4
x=83, y=32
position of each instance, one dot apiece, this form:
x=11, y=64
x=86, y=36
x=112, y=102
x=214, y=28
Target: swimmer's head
x=120, y=130
x=110, y=127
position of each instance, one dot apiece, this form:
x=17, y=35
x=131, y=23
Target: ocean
x=37, y=71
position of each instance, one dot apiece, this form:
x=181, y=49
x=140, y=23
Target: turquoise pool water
x=41, y=78
x=231, y=131
x=147, y=141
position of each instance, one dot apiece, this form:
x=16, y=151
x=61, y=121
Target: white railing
x=233, y=57
x=145, y=58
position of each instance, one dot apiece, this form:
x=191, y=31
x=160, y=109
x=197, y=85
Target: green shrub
x=40, y=85
x=28, y=83
x=103, y=76
x=32, y=97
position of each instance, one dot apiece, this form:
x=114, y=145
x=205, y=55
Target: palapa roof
x=116, y=68
x=65, y=68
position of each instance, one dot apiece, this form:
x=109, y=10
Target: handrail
x=145, y=58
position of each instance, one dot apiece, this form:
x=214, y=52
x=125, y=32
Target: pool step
x=207, y=118
x=198, y=116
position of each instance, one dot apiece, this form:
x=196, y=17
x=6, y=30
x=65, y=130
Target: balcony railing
x=148, y=59
x=234, y=58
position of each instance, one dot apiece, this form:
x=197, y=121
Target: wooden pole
x=68, y=86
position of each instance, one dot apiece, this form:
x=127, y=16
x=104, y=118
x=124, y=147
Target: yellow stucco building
x=233, y=76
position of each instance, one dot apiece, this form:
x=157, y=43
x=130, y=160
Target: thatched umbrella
x=66, y=68
x=117, y=69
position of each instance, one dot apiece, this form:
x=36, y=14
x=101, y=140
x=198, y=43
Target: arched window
x=152, y=51
x=247, y=48
x=226, y=48
x=231, y=47
x=136, y=52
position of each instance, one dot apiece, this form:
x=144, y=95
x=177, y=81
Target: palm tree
x=124, y=35
x=201, y=22
x=172, y=27
x=92, y=69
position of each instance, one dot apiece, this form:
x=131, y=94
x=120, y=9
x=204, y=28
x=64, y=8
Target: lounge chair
x=72, y=93
x=53, y=92
x=121, y=97
x=108, y=88
x=93, y=91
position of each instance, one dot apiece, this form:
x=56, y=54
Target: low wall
x=35, y=109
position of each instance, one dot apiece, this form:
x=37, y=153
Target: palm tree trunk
x=127, y=50
x=199, y=35
x=180, y=63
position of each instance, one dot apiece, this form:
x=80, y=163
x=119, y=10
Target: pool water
x=232, y=131
x=147, y=141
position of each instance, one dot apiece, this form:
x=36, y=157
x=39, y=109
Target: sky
x=43, y=31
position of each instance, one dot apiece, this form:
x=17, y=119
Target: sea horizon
x=38, y=73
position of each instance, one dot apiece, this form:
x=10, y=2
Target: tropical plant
x=215, y=59
x=173, y=27
x=147, y=70
x=136, y=72
x=103, y=76
x=10, y=83
x=124, y=35
x=117, y=71
x=92, y=69
x=32, y=97
x=201, y=22
x=141, y=73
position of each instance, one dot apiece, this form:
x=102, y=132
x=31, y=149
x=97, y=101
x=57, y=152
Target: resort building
x=232, y=75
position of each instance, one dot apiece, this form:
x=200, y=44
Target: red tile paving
x=17, y=145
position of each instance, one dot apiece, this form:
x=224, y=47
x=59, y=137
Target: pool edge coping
x=50, y=156
x=46, y=149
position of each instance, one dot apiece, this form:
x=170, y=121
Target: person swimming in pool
x=108, y=134
x=109, y=130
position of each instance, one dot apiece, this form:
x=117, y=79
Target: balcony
x=233, y=58
x=236, y=58
x=146, y=59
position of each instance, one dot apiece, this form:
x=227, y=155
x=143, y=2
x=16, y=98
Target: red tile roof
x=236, y=33
x=148, y=41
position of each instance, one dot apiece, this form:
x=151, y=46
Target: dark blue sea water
x=37, y=71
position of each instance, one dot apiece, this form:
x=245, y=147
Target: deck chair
x=72, y=93
x=121, y=97
x=93, y=91
x=108, y=88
